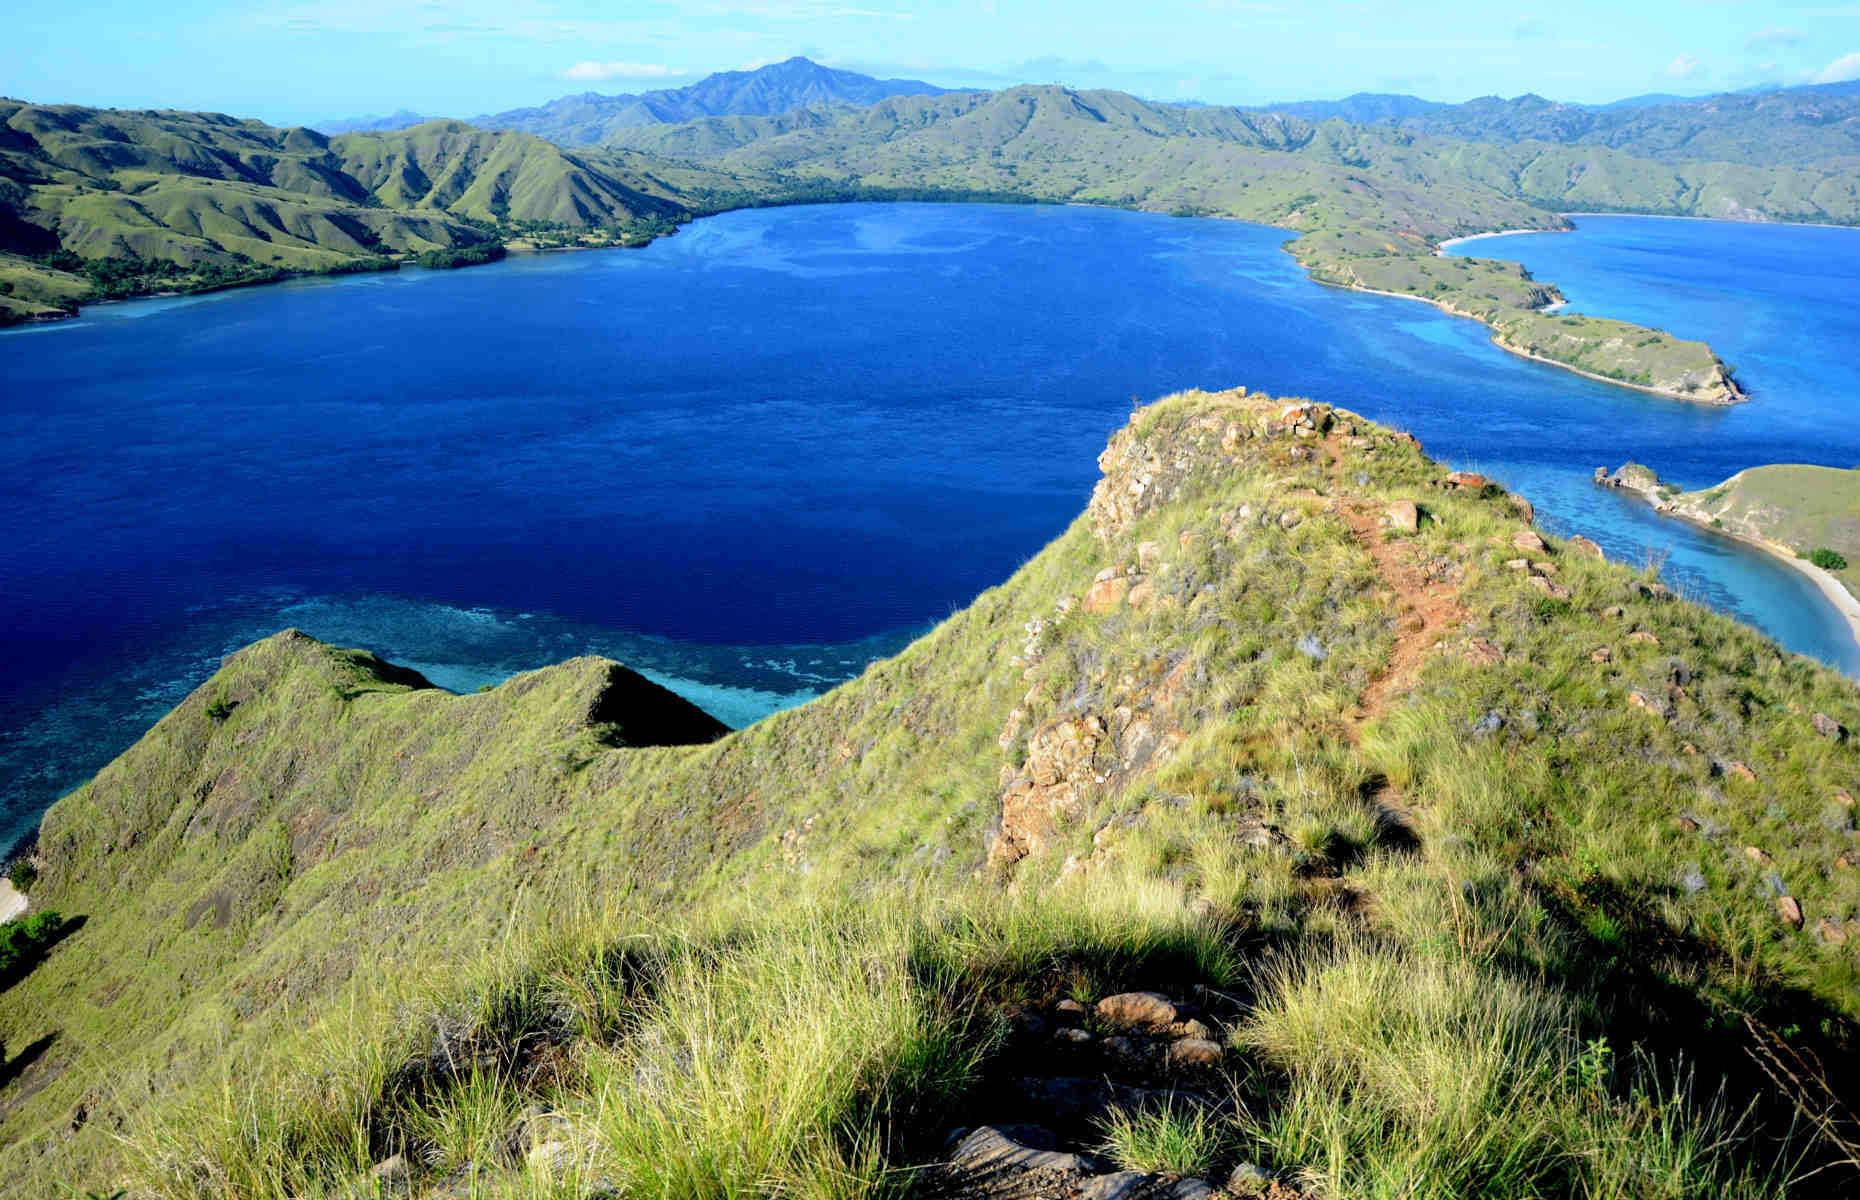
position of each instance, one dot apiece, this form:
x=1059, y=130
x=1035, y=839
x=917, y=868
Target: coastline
x=1498, y=341
x=1833, y=590
x=1720, y=220
x=1440, y=247
x=13, y=902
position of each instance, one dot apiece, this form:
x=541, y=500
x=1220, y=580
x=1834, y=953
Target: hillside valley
x=1447, y=857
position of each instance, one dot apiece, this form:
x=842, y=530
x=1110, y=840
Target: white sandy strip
x=12, y=902
x=1835, y=591
x=1473, y=237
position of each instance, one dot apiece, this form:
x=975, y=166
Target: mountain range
x=589, y=118
x=1654, y=125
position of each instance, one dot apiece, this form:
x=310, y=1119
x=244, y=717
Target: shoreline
x=1440, y=247
x=1844, y=603
x=1720, y=220
x=1742, y=397
x=13, y=902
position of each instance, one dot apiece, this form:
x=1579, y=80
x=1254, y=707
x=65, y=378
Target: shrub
x=24, y=941
x=23, y=875
x=1826, y=559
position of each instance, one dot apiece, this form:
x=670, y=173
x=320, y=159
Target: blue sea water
x=752, y=457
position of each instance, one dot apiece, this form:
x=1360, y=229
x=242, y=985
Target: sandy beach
x=12, y=902
x=1473, y=237
x=1834, y=590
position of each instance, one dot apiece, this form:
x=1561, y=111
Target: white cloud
x=1846, y=67
x=1787, y=35
x=1684, y=66
x=595, y=71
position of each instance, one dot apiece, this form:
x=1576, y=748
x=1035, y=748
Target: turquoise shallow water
x=747, y=459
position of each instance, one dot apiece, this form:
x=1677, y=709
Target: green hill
x=97, y=203
x=1456, y=861
x=794, y=83
x=1795, y=126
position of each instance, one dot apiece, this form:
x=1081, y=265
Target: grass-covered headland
x=1301, y=821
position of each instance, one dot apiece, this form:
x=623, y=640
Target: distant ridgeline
x=105, y=203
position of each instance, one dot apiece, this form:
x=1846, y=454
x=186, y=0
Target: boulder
x=1191, y=1028
x=1828, y=727
x=1106, y=594
x=1470, y=481
x=1148, y=554
x=1789, y=911
x=1404, y=516
x=1585, y=547
x=1194, y=1053
x=1529, y=542
x=990, y=1152
x=1524, y=508
x=1758, y=856
x=1143, y=1012
x=1139, y=1185
x=1740, y=771
x=1830, y=932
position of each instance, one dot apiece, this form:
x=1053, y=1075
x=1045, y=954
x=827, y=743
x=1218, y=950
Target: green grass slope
x=1797, y=125
x=105, y=203
x=1500, y=870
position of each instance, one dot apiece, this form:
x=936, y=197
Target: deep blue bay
x=752, y=457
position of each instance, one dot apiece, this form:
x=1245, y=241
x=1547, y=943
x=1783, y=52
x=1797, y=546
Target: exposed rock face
x=1046, y=795
x=1631, y=477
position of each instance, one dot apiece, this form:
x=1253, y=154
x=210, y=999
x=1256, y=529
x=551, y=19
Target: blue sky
x=303, y=60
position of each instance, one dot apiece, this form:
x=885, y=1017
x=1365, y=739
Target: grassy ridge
x=1796, y=125
x=1494, y=918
